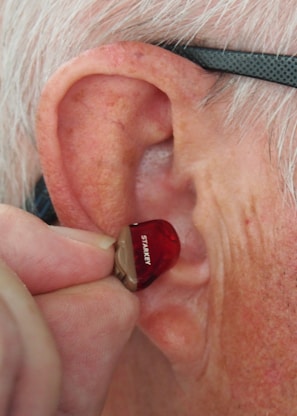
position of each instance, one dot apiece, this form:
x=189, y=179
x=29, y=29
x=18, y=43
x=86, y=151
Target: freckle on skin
x=78, y=96
x=69, y=131
x=139, y=55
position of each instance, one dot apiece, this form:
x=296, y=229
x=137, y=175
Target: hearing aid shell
x=124, y=267
x=144, y=251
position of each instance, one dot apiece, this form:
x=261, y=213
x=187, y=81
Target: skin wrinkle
x=247, y=312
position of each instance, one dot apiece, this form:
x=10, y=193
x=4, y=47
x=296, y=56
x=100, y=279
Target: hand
x=58, y=350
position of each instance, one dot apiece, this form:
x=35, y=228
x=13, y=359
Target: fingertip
x=98, y=240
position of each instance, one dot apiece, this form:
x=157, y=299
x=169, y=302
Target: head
x=119, y=129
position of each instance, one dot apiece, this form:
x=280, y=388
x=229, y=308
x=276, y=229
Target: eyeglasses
x=281, y=69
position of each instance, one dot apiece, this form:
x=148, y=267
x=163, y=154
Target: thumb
x=91, y=324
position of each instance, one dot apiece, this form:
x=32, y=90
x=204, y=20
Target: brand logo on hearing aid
x=146, y=251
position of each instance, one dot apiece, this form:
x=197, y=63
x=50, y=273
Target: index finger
x=46, y=260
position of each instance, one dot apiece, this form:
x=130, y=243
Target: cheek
x=259, y=331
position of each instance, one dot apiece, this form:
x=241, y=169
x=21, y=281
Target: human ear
x=98, y=115
x=94, y=123
x=112, y=128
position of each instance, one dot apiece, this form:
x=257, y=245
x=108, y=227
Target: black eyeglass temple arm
x=281, y=69
x=42, y=205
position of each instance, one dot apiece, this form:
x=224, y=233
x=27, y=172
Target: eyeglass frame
x=280, y=69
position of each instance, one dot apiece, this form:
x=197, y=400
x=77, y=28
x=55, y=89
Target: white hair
x=38, y=36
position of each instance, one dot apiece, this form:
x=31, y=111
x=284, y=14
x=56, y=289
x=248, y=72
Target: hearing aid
x=144, y=251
